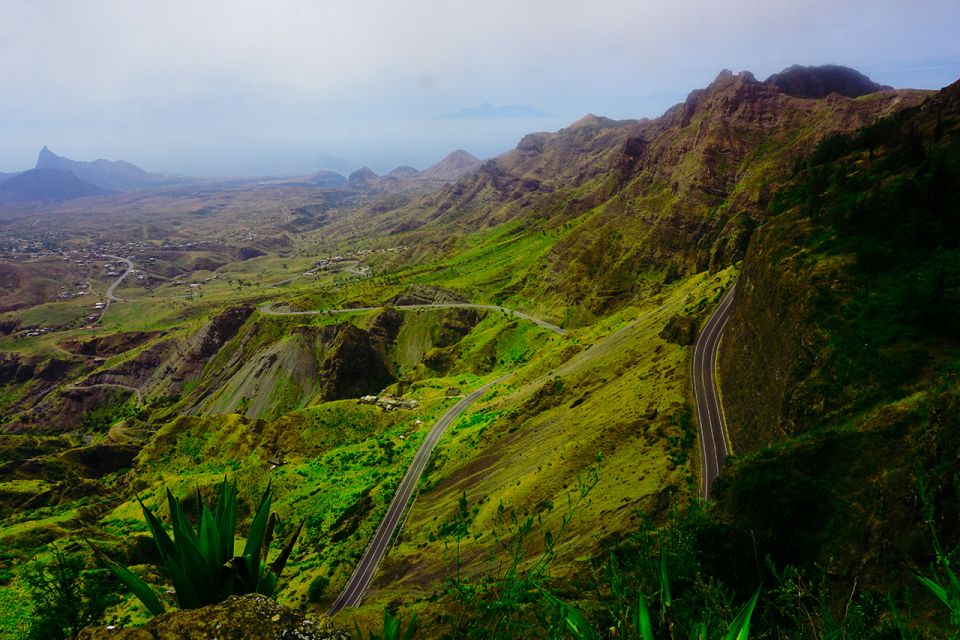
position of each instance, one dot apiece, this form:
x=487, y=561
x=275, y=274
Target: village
x=101, y=262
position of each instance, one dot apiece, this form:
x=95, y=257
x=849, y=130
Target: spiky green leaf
x=164, y=544
x=255, y=537
x=739, y=629
x=641, y=618
x=664, y=582
x=411, y=628
x=141, y=589
x=936, y=589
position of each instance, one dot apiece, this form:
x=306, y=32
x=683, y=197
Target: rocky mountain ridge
x=681, y=192
x=106, y=174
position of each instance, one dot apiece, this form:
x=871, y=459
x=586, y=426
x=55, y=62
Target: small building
x=368, y=400
x=388, y=403
x=452, y=392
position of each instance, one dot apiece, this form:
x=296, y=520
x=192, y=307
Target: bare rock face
x=238, y=618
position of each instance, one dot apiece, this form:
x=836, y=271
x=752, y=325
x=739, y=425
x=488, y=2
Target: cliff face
x=847, y=292
x=838, y=367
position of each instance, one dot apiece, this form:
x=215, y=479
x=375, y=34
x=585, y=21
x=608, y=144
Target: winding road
x=360, y=580
x=713, y=440
x=714, y=447
x=362, y=576
x=123, y=276
x=266, y=309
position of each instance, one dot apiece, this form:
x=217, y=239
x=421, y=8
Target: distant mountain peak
x=46, y=158
x=591, y=120
x=403, y=171
x=362, y=177
x=106, y=174
x=452, y=166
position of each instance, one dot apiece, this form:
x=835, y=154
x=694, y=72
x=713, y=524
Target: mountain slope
x=106, y=174
x=636, y=201
x=46, y=185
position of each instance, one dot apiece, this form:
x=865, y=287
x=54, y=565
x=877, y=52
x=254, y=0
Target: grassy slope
x=616, y=388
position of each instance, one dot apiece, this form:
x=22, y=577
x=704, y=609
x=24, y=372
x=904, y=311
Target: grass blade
x=664, y=583
x=577, y=625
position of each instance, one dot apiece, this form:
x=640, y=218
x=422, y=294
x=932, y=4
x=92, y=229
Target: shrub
x=317, y=586
x=64, y=596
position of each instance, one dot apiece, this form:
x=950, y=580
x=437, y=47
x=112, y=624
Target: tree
x=65, y=596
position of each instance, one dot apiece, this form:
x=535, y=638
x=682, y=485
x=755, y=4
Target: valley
x=725, y=336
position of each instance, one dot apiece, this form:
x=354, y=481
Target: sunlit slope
x=617, y=389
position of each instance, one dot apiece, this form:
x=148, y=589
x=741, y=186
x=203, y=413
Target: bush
x=65, y=596
x=317, y=586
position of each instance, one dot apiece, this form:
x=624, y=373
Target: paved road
x=113, y=385
x=439, y=305
x=713, y=439
x=110, y=296
x=362, y=576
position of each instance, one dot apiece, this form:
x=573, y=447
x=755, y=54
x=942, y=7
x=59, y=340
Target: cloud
x=225, y=86
x=488, y=111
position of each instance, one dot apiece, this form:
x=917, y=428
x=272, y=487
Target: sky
x=281, y=87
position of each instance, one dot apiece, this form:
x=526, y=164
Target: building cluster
x=390, y=403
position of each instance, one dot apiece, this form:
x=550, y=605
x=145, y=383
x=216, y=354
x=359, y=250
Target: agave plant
x=946, y=589
x=199, y=559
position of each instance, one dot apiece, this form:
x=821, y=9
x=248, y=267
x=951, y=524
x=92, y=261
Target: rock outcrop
x=819, y=82
x=237, y=618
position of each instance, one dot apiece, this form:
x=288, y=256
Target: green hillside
x=316, y=362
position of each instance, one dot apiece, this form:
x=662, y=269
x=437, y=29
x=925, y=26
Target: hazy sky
x=217, y=87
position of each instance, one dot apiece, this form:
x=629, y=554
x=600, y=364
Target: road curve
x=112, y=385
x=713, y=439
x=123, y=276
x=363, y=574
x=266, y=309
